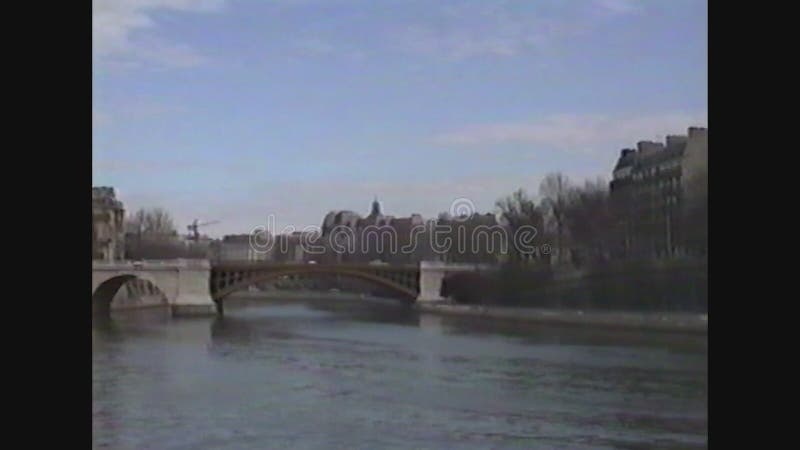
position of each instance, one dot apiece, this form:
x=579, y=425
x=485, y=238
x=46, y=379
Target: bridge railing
x=152, y=264
x=455, y=266
x=267, y=264
x=206, y=264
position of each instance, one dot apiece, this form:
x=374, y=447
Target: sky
x=239, y=111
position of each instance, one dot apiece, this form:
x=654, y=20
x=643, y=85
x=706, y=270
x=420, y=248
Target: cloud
x=461, y=44
x=148, y=108
x=572, y=132
x=141, y=108
x=498, y=29
x=315, y=46
x=116, y=22
x=618, y=7
x=143, y=167
x=106, y=166
x=324, y=46
x=474, y=31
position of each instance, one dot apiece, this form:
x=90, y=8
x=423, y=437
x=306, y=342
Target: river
x=366, y=375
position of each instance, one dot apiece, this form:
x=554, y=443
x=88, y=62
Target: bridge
x=197, y=287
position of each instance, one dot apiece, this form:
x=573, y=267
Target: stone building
x=108, y=230
x=348, y=237
x=237, y=248
x=650, y=190
x=289, y=247
x=407, y=240
x=284, y=248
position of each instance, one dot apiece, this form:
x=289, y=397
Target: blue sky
x=240, y=109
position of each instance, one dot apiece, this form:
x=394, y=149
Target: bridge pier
x=193, y=310
x=431, y=275
x=194, y=298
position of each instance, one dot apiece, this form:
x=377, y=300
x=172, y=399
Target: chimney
x=696, y=132
x=649, y=147
x=676, y=141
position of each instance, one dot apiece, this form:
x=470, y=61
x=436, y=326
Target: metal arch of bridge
x=227, y=279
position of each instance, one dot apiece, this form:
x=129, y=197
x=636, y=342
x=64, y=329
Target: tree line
x=585, y=225
x=150, y=233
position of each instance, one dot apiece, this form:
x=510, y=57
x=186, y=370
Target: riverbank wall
x=668, y=322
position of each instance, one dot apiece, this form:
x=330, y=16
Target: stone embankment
x=679, y=322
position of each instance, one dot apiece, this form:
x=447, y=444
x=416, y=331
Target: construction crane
x=193, y=229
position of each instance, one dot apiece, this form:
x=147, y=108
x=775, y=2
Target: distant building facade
x=108, y=229
x=650, y=190
x=236, y=248
x=290, y=247
x=252, y=248
x=348, y=237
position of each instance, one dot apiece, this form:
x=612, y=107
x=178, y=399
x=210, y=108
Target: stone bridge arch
x=184, y=283
x=104, y=293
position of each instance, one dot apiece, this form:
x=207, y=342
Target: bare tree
x=152, y=222
x=519, y=210
x=151, y=234
x=555, y=192
x=589, y=217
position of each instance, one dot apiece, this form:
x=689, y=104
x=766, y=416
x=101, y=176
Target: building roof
x=339, y=218
x=651, y=153
x=375, y=218
x=488, y=219
x=236, y=239
x=663, y=155
x=627, y=158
